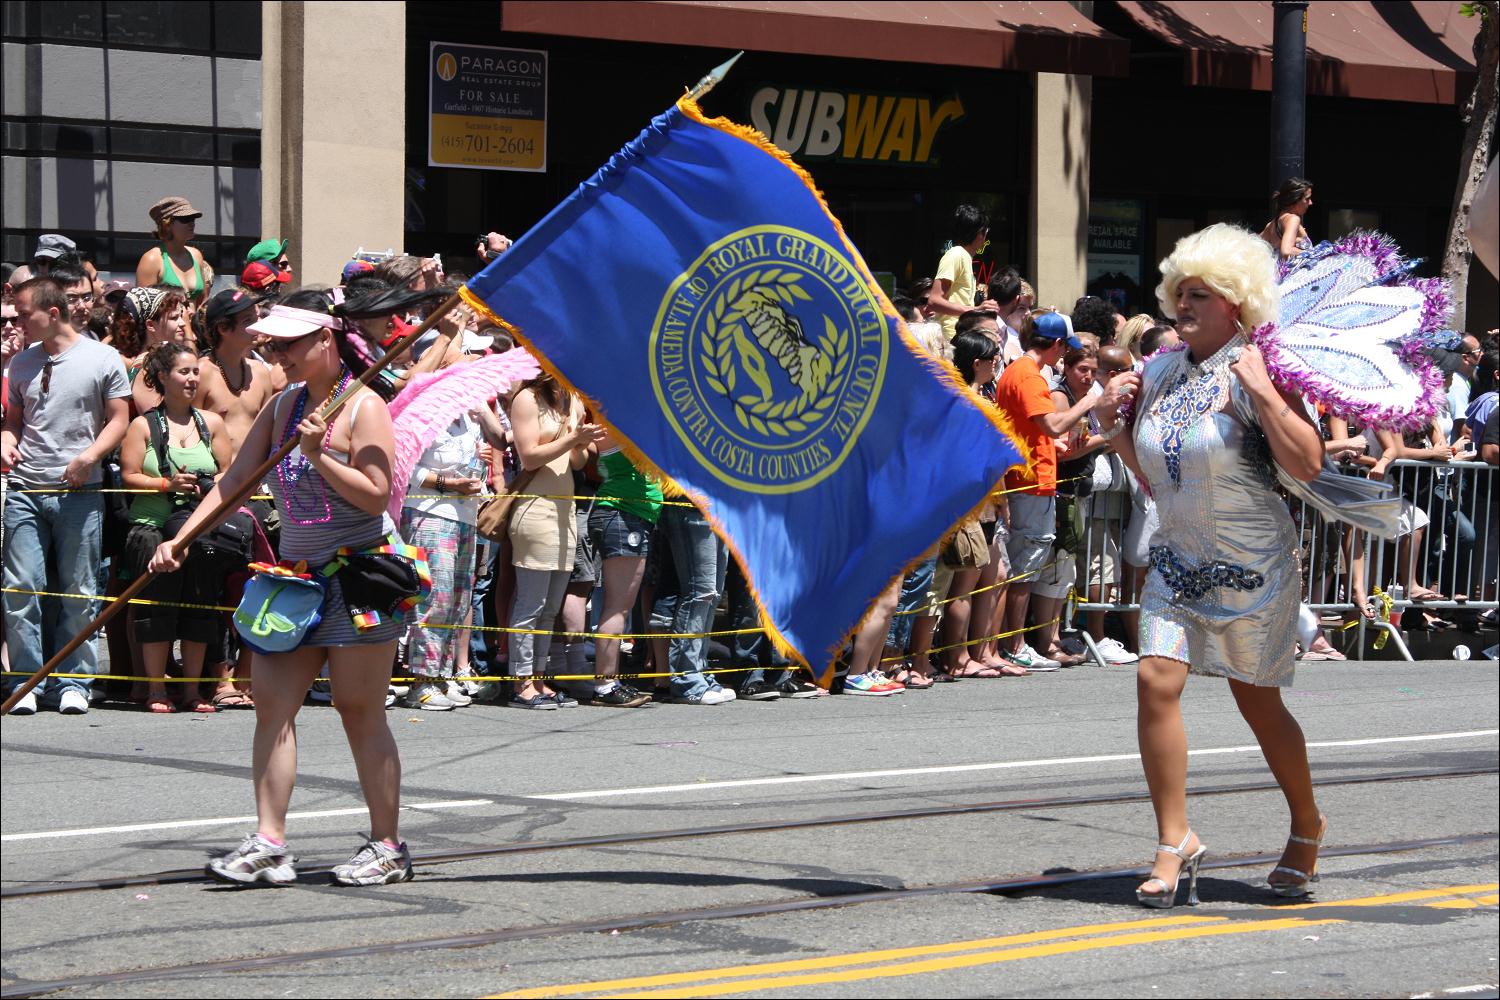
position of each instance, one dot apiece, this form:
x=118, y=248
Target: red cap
x=261, y=276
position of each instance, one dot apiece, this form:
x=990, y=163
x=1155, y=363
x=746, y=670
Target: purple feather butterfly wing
x=1350, y=332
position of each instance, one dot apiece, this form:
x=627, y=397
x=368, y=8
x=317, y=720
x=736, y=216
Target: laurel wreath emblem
x=722, y=338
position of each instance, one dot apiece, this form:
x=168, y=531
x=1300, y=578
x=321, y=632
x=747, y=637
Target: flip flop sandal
x=161, y=705
x=984, y=673
x=233, y=699
x=200, y=707
x=916, y=682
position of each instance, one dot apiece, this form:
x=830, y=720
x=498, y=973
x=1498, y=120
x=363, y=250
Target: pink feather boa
x=432, y=401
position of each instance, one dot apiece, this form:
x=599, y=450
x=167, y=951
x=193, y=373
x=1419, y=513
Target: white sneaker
x=713, y=696
x=429, y=698
x=73, y=702
x=27, y=704
x=1114, y=652
x=1032, y=660
x=454, y=691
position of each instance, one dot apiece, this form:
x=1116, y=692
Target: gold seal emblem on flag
x=767, y=357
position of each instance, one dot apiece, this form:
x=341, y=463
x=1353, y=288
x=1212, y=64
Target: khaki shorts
x=1099, y=563
x=1056, y=576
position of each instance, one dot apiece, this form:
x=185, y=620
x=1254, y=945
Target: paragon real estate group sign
x=488, y=108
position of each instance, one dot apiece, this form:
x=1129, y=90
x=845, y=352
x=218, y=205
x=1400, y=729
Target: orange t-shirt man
x=1023, y=394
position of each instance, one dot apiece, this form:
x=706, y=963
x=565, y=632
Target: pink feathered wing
x=432, y=401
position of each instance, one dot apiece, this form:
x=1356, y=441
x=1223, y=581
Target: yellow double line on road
x=893, y=962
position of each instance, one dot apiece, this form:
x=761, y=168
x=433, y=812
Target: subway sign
x=851, y=125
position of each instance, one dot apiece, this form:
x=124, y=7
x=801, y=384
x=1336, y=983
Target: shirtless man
x=235, y=384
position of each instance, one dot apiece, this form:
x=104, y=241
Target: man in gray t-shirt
x=65, y=410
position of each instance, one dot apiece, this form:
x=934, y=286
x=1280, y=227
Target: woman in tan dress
x=551, y=439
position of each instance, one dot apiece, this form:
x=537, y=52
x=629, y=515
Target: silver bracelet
x=1113, y=432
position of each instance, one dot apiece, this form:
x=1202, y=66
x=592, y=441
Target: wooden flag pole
x=226, y=507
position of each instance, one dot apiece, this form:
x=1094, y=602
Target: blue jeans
x=485, y=647
x=61, y=531
x=752, y=649
x=913, y=595
x=701, y=560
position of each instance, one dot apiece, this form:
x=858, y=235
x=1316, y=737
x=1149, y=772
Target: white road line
x=231, y=820
x=795, y=779
x=747, y=782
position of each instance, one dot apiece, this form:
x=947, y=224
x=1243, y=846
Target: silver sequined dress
x=1223, y=591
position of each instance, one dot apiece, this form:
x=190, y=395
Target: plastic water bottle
x=1398, y=594
x=1461, y=652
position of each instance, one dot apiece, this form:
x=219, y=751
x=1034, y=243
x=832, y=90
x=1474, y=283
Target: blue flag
x=699, y=295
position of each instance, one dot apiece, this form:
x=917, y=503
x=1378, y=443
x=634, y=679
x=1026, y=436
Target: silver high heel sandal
x=1298, y=889
x=1167, y=898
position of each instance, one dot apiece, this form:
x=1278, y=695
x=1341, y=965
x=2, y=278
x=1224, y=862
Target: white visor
x=286, y=323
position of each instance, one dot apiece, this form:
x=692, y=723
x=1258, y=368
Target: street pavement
x=119, y=793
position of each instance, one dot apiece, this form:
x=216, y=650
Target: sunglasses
x=79, y=298
x=278, y=346
x=47, y=376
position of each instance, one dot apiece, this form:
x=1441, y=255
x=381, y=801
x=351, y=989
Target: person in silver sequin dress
x=1221, y=598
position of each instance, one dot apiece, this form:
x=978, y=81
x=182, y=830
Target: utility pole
x=1288, y=90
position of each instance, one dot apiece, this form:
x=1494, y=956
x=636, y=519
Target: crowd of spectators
x=125, y=400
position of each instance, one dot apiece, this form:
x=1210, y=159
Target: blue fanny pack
x=281, y=607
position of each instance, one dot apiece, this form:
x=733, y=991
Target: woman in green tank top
x=620, y=525
x=195, y=446
x=172, y=262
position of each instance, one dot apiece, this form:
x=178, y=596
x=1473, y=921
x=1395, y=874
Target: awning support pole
x=1288, y=90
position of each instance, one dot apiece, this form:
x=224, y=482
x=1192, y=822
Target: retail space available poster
x=1117, y=244
x=488, y=109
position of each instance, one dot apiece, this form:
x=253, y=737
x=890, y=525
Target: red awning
x=1419, y=51
x=1029, y=37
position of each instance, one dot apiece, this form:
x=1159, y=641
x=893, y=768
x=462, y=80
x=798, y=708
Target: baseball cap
x=266, y=250
x=357, y=267
x=115, y=289
x=1055, y=326
x=229, y=302
x=261, y=276
x=53, y=246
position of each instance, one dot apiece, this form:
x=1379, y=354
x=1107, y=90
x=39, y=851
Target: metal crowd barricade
x=1448, y=545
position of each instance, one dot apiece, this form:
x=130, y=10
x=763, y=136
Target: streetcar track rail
x=667, y=918
x=26, y=890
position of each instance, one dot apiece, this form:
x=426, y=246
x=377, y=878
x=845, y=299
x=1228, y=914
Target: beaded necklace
x=292, y=473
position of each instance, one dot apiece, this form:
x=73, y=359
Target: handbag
x=281, y=607
x=493, y=518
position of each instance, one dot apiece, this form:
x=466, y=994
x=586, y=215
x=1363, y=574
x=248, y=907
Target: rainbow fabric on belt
x=366, y=619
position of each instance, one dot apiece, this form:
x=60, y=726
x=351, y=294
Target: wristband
x=441, y=488
x=166, y=485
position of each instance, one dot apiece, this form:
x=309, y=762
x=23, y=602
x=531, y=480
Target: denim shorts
x=585, y=561
x=619, y=533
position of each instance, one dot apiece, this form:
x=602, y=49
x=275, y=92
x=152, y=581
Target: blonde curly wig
x=1234, y=262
